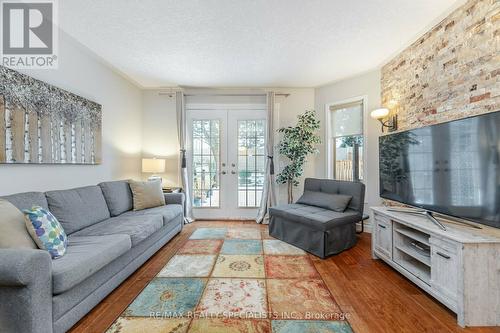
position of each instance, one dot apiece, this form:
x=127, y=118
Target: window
x=346, y=141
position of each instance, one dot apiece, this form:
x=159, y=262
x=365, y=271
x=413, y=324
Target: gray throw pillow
x=336, y=202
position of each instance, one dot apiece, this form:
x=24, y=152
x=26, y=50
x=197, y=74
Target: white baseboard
x=368, y=226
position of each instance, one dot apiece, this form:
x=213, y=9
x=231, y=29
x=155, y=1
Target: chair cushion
x=46, y=231
x=315, y=217
x=85, y=256
x=78, y=208
x=336, y=202
x=118, y=196
x=168, y=212
x=27, y=200
x=137, y=227
x=355, y=189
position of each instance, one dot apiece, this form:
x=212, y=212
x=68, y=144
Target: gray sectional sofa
x=108, y=241
x=314, y=228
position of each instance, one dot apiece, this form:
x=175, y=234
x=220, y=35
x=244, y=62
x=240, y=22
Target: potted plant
x=296, y=144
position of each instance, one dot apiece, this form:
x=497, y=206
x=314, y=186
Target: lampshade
x=153, y=165
x=379, y=113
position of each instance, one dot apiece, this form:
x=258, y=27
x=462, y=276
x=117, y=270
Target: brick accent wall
x=451, y=72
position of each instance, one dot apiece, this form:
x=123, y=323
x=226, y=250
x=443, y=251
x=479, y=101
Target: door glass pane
x=251, y=162
x=206, y=157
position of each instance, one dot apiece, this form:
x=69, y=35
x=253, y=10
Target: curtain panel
x=181, y=132
x=269, y=192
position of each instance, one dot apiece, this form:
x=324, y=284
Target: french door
x=226, y=161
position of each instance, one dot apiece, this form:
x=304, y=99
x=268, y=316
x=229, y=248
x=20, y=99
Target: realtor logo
x=29, y=34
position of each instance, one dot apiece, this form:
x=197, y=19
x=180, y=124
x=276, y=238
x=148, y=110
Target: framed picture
x=42, y=124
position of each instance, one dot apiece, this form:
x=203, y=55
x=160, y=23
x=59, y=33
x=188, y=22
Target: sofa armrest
x=25, y=290
x=18, y=266
x=174, y=199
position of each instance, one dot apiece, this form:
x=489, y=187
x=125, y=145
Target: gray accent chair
x=108, y=241
x=320, y=231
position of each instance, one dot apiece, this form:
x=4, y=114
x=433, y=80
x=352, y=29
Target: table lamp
x=153, y=166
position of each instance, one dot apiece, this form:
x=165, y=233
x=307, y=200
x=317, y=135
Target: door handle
x=233, y=172
x=223, y=172
x=382, y=226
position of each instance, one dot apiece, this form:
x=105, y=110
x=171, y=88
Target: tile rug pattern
x=235, y=280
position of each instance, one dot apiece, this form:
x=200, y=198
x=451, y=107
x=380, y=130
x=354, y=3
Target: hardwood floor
x=376, y=297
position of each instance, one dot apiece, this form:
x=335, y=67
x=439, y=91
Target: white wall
x=82, y=73
x=160, y=131
x=367, y=85
x=159, y=135
x=143, y=123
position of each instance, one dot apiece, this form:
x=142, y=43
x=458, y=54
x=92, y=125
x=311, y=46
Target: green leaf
x=296, y=144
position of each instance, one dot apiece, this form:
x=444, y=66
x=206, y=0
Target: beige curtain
x=181, y=132
x=269, y=191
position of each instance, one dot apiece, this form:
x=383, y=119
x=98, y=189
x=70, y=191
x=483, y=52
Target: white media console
x=459, y=266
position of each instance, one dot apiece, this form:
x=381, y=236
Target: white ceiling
x=247, y=43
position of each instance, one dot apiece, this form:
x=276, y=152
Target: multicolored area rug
x=235, y=280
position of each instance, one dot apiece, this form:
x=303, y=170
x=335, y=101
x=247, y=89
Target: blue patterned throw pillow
x=46, y=231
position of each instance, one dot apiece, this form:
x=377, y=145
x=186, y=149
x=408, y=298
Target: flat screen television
x=450, y=168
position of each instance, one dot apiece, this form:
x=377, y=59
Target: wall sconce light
x=380, y=114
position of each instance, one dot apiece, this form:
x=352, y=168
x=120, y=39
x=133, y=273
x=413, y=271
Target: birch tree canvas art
x=42, y=124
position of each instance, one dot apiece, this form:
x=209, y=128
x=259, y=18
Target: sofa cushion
x=315, y=217
x=118, y=196
x=137, y=227
x=336, y=202
x=27, y=200
x=174, y=198
x=85, y=256
x=168, y=212
x=13, y=233
x=78, y=208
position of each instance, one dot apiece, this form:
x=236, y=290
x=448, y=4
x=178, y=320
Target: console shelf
x=413, y=234
x=411, y=250
x=415, y=267
x=454, y=266
x=414, y=254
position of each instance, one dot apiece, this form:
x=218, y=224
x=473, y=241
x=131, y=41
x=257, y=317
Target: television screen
x=450, y=168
